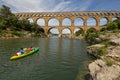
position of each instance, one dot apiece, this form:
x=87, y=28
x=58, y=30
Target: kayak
x=25, y=54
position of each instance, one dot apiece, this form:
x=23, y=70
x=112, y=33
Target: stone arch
x=79, y=22
x=66, y=31
x=103, y=21
x=66, y=22
x=91, y=30
x=78, y=31
x=30, y=20
x=114, y=18
x=41, y=22
x=53, y=22
x=91, y=21
x=53, y=30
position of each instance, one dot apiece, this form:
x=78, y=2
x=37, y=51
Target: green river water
x=57, y=59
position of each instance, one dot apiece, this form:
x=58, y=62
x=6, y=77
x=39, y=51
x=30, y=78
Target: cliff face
x=107, y=66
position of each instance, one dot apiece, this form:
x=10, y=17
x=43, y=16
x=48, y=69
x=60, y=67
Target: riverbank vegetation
x=11, y=26
x=92, y=35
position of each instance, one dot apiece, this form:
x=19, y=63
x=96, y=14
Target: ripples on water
x=58, y=59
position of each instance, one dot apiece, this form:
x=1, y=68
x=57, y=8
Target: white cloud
x=63, y=6
x=45, y=6
x=25, y=5
x=85, y=5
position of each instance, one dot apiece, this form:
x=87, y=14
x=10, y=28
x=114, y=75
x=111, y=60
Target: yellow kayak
x=25, y=54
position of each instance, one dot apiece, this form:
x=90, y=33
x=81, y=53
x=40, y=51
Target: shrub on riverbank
x=90, y=36
x=112, y=26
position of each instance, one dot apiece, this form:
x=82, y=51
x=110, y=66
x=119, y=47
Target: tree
x=5, y=12
x=77, y=33
x=118, y=22
x=9, y=22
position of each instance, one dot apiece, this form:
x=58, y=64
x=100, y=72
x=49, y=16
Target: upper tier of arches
x=70, y=18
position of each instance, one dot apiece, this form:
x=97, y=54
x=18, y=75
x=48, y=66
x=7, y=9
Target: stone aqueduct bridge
x=60, y=16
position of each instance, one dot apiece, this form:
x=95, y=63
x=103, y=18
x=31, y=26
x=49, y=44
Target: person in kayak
x=21, y=51
x=29, y=49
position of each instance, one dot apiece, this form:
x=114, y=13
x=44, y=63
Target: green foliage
x=3, y=24
x=9, y=21
x=5, y=11
x=90, y=35
x=17, y=33
x=118, y=23
x=106, y=43
x=109, y=62
x=79, y=32
x=102, y=51
x=91, y=30
x=112, y=26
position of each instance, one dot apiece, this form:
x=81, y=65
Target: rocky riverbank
x=107, y=51
x=17, y=34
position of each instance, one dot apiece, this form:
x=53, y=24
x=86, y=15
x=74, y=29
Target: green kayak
x=25, y=54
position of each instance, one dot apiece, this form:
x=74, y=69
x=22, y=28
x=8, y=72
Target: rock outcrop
x=107, y=67
x=100, y=71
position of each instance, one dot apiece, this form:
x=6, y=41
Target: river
x=57, y=59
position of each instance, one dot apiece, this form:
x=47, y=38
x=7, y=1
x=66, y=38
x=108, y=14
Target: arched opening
x=91, y=22
x=41, y=22
x=78, y=22
x=53, y=31
x=103, y=21
x=66, y=22
x=78, y=31
x=53, y=22
x=30, y=20
x=91, y=30
x=66, y=32
x=114, y=19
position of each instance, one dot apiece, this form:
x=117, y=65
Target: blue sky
x=61, y=5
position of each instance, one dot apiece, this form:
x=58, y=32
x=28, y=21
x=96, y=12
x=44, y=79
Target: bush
x=17, y=33
x=79, y=32
x=112, y=26
x=90, y=37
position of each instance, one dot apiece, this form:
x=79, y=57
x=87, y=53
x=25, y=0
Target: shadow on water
x=57, y=59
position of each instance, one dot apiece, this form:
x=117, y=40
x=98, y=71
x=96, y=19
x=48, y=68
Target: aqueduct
x=72, y=16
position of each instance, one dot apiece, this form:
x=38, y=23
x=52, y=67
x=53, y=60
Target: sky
x=61, y=5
